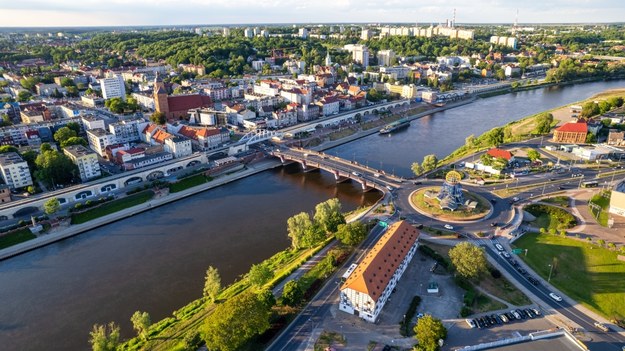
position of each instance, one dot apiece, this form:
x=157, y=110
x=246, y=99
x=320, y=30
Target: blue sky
x=168, y=12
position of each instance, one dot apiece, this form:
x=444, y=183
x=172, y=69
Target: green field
x=111, y=207
x=188, y=182
x=587, y=273
x=16, y=237
x=602, y=200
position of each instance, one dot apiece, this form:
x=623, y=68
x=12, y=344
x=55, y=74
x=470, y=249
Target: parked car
x=602, y=326
x=504, y=318
x=470, y=322
x=449, y=226
x=516, y=314
x=555, y=297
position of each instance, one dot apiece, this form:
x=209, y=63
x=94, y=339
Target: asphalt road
x=601, y=341
x=297, y=334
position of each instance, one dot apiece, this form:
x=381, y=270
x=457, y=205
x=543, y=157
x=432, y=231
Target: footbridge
x=342, y=169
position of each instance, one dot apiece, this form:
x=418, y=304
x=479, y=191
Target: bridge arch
x=193, y=163
x=108, y=187
x=25, y=211
x=175, y=169
x=155, y=175
x=83, y=195
x=133, y=180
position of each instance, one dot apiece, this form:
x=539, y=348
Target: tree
x=533, y=155
x=212, y=283
x=495, y=136
x=428, y=331
x=45, y=147
x=470, y=141
x=236, y=321
x=63, y=134
x=54, y=168
x=303, y=232
x=52, y=206
x=259, y=274
x=141, y=323
x=158, y=118
x=74, y=141
x=416, y=168
x=468, y=259
x=328, y=215
x=67, y=82
x=74, y=126
x=500, y=163
x=352, y=233
x=591, y=138
x=24, y=96
x=487, y=160
x=543, y=123
x=292, y=293
x=104, y=338
x=7, y=148
x=429, y=163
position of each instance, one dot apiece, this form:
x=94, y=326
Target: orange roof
x=578, y=127
x=150, y=128
x=160, y=136
x=499, y=153
x=377, y=268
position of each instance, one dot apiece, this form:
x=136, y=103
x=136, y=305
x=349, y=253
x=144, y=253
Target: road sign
x=517, y=251
x=383, y=224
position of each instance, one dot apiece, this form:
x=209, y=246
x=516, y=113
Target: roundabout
x=429, y=206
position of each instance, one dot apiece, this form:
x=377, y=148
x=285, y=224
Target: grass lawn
x=550, y=217
x=562, y=201
x=15, y=238
x=587, y=273
x=112, y=207
x=432, y=205
x=602, y=200
x=188, y=182
x=499, y=287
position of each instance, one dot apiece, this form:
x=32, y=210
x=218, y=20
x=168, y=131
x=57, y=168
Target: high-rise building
x=248, y=33
x=226, y=31
x=113, y=86
x=14, y=170
x=303, y=33
x=385, y=57
x=365, y=34
x=86, y=161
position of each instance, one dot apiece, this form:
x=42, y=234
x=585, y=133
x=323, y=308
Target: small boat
x=391, y=127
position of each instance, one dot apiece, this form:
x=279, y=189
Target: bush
x=465, y=311
x=404, y=325
x=426, y=250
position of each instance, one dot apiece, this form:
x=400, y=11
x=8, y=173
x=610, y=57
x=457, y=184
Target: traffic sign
x=517, y=251
x=383, y=224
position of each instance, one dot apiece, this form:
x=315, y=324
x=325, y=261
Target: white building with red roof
x=369, y=286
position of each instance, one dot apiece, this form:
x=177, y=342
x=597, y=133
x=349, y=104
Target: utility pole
x=550, y=271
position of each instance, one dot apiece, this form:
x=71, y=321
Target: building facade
x=14, y=170
x=86, y=161
x=571, y=133
x=99, y=139
x=369, y=286
x=113, y=86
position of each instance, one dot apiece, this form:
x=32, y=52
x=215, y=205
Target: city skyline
x=67, y=13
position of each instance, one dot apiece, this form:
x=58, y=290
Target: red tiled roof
x=187, y=102
x=578, y=127
x=499, y=153
x=377, y=268
x=160, y=136
x=149, y=128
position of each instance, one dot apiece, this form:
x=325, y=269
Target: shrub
x=465, y=311
x=404, y=325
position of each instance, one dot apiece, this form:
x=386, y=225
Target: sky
x=70, y=13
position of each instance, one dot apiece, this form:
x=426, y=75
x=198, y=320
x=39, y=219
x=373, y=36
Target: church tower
x=160, y=96
x=328, y=59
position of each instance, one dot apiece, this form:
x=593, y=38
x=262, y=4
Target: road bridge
x=342, y=169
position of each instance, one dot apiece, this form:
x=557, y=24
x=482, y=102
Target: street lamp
x=550, y=271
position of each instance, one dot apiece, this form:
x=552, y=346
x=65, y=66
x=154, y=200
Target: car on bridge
x=357, y=174
x=449, y=226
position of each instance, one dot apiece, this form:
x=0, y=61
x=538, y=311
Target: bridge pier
x=338, y=177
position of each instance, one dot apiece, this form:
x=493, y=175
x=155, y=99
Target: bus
x=591, y=184
x=348, y=272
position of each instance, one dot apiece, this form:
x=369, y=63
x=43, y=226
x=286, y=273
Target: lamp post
x=550, y=271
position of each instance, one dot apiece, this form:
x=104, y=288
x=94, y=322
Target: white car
x=449, y=226
x=555, y=297
x=470, y=322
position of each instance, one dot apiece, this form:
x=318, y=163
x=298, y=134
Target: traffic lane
x=300, y=329
x=609, y=341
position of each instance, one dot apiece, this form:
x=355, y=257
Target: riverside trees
x=306, y=232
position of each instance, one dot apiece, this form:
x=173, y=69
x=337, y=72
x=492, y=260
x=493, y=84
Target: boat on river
x=391, y=127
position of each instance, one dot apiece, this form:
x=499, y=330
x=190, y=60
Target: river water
x=156, y=261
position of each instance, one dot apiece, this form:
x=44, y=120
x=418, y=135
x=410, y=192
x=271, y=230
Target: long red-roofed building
x=369, y=286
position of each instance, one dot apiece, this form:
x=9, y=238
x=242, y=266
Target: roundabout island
x=450, y=202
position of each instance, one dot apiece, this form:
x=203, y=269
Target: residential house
x=616, y=138
x=329, y=105
x=99, y=139
x=370, y=285
x=205, y=138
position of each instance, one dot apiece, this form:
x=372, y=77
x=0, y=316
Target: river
x=155, y=261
